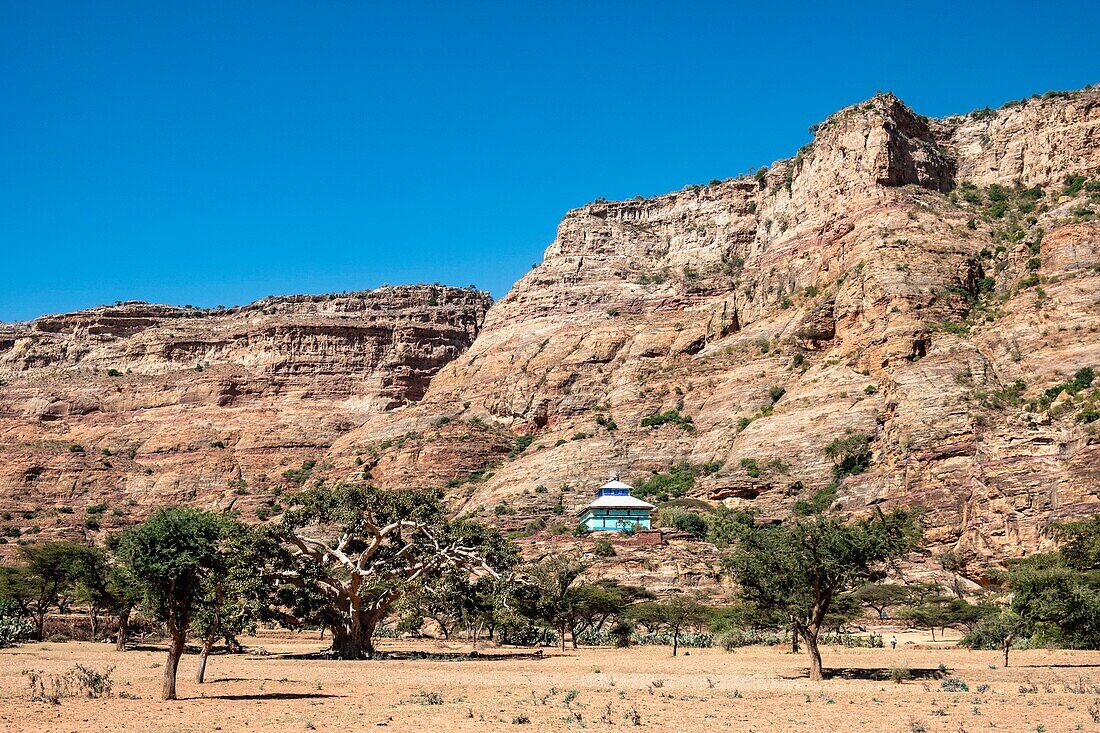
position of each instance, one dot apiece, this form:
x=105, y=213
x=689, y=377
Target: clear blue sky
x=217, y=152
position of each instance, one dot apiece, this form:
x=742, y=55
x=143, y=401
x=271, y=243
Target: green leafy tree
x=997, y=631
x=1059, y=604
x=675, y=614
x=344, y=555
x=551, y=594
x=92, y=576
x=477, y=604
x=229, y=603
x=799, y=568
x=170, y=556
x=122, y=594
x=882, y=596
x=1055, y=596
x=48, y=578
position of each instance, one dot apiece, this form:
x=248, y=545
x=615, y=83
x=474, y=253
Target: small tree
x=48, y=577
x=551, y=596
x=92, y=576
x=674, y=614
x=799, y=567
x=170, y=556
x=881, y=597
x=997, y=631
x=1055, y=596
x=229, y=602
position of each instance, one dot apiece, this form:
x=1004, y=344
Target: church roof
x=618, y=502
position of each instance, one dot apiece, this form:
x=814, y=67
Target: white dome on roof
x=616, y=484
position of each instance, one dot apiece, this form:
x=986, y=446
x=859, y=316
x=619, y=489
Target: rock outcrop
x=124, y=408
x=923, y=290
x=894, y=280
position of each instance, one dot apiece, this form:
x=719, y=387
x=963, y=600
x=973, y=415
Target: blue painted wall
x=599, y=520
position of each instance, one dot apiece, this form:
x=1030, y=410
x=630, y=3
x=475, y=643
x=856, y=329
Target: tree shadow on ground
x=411, y=655
x=268, y=696
x=283, y=681
x=870, y=674
x=1055, y=666
x=153, y=647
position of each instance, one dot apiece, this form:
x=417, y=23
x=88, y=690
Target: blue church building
x=615, y=509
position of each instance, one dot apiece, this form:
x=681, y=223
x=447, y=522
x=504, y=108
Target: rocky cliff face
x=918, y=284
x=916, y=293
x=135, y=405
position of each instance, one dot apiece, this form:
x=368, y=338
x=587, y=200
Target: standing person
x=893, y=642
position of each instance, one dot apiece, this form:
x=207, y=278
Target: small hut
x=615, y=509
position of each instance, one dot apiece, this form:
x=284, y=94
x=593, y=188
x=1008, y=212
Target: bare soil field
x=752, y=689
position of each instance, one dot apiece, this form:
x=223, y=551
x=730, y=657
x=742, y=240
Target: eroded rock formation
x=137, y=405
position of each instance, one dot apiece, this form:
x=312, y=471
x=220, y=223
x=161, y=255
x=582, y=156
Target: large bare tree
x=347, y=553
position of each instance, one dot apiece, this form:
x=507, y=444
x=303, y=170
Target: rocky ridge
x=127, y=407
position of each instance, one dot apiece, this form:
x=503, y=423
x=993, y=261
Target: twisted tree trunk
x=175, y=651
x=810, y=634
x=179, y=618
x=123, y=629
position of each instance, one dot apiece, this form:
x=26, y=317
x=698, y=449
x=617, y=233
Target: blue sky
x=217, y=152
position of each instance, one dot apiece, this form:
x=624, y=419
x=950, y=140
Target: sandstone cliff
x=127, y=407
x=926, y=288
x=894, y=280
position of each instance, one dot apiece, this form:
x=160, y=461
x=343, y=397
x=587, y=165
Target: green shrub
x=1073, y=185
x=900, y=674
x=1082, y=379
x=678, y=481
x=850, y=455
x=604, y=548
x=523, y=442
x=691, y=523
x=300, y=475
x=670, y=416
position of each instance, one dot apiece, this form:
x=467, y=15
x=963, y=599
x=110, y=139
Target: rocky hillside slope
x=916, y=286
x=107, y=413
x=919, y=295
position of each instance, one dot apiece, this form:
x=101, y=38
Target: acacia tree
x=1055, y=596
x=94, y=586
x=673, y=614
x=598, y=602
x=798, y=568
x=478, y=604
x=881, y=596
x=48, y=576
x=169, y=556
x=344, y=555
x=552, y=595
x=230, y=602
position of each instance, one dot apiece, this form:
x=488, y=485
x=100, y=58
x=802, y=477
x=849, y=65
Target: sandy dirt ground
x=752, y=689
